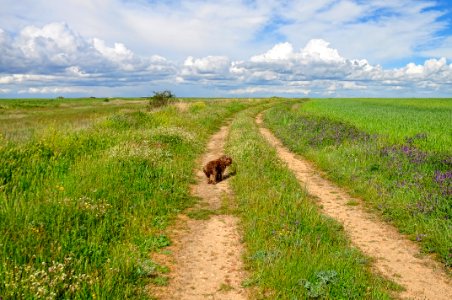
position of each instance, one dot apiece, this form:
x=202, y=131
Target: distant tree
x=162, y=98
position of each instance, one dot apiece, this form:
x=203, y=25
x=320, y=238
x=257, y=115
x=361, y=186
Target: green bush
x=161, y=99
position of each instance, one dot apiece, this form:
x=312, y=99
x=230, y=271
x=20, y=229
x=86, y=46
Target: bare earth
x=394, y=256
x=206, y=255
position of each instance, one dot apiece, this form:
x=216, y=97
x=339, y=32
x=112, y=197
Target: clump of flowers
x=88, y=205
x=48, y=281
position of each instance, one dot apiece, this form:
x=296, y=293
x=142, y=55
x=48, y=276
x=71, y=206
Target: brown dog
x=215, y=168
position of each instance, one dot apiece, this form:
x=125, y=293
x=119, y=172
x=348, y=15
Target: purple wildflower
x=441, y=177
x=444, y=180
x=420, y=237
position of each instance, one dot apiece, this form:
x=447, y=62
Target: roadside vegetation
x=82, y=207
x=292, y=250
x=396, y=154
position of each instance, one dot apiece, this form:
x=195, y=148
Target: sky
x=226, y=48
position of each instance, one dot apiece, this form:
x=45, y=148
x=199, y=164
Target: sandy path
x=206, y=259
x=394, y=256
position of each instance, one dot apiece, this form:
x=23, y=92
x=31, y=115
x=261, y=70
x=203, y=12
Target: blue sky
x=231, y=48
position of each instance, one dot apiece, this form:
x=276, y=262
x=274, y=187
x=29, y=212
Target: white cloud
x=21, y=78
x=206, y=65
x=171, y=28
x=55, y=59
x=433, y=70
x=443, y=49
x=381, y=31
x=317, y=60
x=118, y=55
x=268, y=90
x=319, y=69
x=52, y=90
x=378, y=30
x=282, y=51
x=56, y=50
x=319, y=50
x=76, y=72
x=55, y=36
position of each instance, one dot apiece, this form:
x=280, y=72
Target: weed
x=352, y=202
x=318, y=288
x=200, y=214
x=225, y=287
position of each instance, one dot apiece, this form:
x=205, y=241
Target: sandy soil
x=393, y=255
x=206, y=255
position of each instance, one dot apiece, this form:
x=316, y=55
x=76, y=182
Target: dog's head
x=226, y=160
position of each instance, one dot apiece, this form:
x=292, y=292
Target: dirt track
x=394, y=256
x=206, y=259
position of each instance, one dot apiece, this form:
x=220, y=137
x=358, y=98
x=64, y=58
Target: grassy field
x=22, y=119
x=81, y=207
x=293, y=251
x=394, y=119
x=88, y=188
x=394, y=153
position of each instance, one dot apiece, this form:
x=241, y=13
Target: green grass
x=81, y=208
x=394, y=153
x=293, y=251
x=201, y=214
x=395, y=119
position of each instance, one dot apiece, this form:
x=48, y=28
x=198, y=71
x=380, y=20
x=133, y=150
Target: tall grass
x=293, y=251
x=80, y=210
x=395, y=154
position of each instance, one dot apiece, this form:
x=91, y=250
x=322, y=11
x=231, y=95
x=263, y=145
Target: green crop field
x=395, y=119
x=394, y=153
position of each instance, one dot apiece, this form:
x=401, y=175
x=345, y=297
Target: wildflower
x=420, y=237
x=441, y=177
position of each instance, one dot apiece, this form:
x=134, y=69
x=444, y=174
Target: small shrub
x=161, y=99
